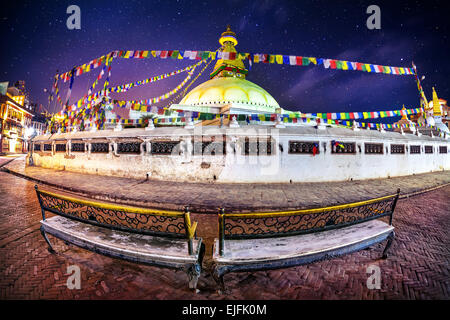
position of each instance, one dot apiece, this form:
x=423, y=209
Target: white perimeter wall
x=278, y=167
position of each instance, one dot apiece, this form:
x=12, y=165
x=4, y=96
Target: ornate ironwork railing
x=175, y=224
x=288, y=223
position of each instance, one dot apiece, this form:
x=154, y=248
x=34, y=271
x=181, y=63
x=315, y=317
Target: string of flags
x=181, y=116
x=252, y=58
x=243, y=117
x=365, y=115
x=138, y=106
x=182, y=120
x=92, y=97
x=195, y=116
x=125, y=87
x=167, y=94
x=97, y=113
x=423, y=100
x=329, y=118
x=128, y=86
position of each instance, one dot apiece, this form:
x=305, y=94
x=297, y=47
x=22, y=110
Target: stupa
x=228, y=91
x=226, y=151
x=404, y=124
x=436, y=113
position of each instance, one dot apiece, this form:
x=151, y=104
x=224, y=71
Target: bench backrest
x=163, y=223
x=235, y=226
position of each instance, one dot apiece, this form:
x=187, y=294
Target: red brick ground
x=418, y=267
x=4, y=160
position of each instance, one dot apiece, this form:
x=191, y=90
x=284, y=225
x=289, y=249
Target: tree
x=145, y=118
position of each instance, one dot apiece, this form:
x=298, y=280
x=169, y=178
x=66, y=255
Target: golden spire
x=228, y=36
x=436, y=105
x=229, y=67
x=404, y=116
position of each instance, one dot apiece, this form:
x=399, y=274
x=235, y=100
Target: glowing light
x=29, y=132
x=19, y=99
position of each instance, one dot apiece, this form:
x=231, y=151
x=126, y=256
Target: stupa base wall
x=202, y=170
x=163, y=155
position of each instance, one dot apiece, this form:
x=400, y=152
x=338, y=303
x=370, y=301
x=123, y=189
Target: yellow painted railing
x=189, y=227
x=306, y=211
x=128, y=209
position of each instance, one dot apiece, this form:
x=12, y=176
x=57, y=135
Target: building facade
x=15, y=117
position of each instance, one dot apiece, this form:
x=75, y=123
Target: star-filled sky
x=36, y=43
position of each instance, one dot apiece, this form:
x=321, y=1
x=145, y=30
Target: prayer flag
x=279, y=59
x=163, y=54
x=292, y=60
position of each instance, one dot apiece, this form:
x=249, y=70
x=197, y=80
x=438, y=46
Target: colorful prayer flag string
x=253, y=58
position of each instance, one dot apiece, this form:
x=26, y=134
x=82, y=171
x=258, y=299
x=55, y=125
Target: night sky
x=36, y=43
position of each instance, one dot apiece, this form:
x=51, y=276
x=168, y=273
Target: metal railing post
x=393, y=206
x=187, y=223
x=221, y=231
x=40, y=201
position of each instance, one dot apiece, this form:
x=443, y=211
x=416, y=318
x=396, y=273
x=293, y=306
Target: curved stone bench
x=154, y=237
x=262, y=241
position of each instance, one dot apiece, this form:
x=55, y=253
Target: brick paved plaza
x=207, y=197
x=417, y=268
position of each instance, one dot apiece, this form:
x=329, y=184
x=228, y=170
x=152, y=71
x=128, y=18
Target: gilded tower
x=436, y=105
